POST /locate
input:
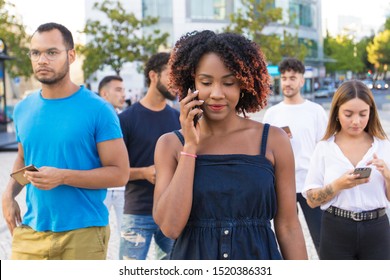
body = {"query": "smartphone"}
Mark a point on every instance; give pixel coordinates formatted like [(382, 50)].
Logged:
[(18, 175), (197, 116), (287, 130), (364, 172)]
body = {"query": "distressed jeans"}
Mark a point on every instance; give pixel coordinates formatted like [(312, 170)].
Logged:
[(137, 232)]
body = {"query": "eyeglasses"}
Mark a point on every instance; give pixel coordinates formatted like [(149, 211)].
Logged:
[(34, 55)]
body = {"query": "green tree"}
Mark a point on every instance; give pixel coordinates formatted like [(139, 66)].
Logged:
[(362, 50), (387, 24), (120, 40), (254, 18), (15, 37), (345, 52), (379, 51)]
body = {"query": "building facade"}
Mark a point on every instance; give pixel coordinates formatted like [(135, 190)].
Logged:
[(177, 17)]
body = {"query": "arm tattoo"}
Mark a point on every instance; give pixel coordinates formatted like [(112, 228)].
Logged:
[(321, 195)]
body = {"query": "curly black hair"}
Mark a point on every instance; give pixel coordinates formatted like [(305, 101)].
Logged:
[(157, 63), (291, 64), (240, 55)]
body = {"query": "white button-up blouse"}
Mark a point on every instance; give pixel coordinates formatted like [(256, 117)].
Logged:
[(328, 163)]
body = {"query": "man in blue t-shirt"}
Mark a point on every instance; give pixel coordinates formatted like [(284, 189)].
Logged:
[(142, 124), (74, 139)]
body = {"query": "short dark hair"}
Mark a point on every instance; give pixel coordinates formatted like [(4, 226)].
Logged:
[(66, 34), (240, 55), (108, 79), (157, 63), (291, 64)]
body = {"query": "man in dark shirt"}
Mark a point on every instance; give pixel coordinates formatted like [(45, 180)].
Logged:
[(142, 124)]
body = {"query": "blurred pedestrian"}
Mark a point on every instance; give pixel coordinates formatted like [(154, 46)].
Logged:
[(112, 89), (306, 123), (355, 224), (142, 124), (75, 140), (223, 177)]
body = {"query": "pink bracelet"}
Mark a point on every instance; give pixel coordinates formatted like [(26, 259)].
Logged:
[(188, 155)]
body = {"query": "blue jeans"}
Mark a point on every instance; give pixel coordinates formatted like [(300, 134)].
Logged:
[(116, 199), (136, 236)]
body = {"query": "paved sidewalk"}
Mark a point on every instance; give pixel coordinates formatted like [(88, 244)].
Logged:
[(6, 162)]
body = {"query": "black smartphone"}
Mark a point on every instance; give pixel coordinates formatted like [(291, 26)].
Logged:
[(18, 175), (197, 116), (364, 172)]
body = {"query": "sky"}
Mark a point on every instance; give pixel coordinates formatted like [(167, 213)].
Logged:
[(71, 13), (372, 13)]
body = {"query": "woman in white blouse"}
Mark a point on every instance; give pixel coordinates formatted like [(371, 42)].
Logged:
[(354, 224)]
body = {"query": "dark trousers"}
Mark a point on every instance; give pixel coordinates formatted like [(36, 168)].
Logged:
[(313, 217), (345, 239)]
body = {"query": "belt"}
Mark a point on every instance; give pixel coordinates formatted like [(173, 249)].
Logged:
[(357, 216)]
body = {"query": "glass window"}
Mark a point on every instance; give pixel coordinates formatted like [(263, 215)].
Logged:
[(157, 8), (312, 47), (301, 14), (210, 9)]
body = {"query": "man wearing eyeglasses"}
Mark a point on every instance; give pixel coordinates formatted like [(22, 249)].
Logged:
[(74, 139)]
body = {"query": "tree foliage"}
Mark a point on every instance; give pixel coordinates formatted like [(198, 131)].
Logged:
[(387, 24), (119, 40), (254, 18), (346, 53), (379, 51), (13, 33)]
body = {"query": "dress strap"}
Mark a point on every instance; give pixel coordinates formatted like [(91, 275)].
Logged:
[(180, 136), (264, 139)]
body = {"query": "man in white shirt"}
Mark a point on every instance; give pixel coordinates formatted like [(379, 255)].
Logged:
[(111, 88), (306, 122)]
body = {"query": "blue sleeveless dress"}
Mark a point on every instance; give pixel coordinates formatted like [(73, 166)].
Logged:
[(233, 202)]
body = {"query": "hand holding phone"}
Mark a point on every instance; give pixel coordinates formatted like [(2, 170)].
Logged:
[(287, 130), (18, 175), (364, 172)]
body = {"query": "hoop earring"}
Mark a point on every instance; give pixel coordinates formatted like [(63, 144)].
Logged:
[(337, 119)]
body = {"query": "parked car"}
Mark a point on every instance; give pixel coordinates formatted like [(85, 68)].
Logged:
[(381, 84), (369, 83), (324, 92)]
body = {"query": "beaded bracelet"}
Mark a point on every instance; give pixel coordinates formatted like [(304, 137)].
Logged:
[(188, 155)]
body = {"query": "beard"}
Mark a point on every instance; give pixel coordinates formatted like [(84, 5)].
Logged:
[(56, 77), (164, 91)]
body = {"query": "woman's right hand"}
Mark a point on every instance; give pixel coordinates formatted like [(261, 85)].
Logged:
[(189, 108), (349, 180)]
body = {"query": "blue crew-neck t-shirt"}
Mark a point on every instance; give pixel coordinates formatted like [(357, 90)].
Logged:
[(64, 133)]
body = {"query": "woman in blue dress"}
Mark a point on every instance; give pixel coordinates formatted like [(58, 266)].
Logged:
[(222, 178)]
